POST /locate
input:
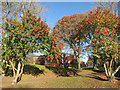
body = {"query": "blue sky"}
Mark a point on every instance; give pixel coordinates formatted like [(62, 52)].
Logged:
[(57, 10)]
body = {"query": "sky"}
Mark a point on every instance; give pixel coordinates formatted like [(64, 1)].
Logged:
[(57, 10)]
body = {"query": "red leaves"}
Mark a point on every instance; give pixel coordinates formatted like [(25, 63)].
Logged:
[(6, 23), (86, 22), (106, 32), (91, 12), (98, 17), (9, 34), (24, 39), (38, 28), (115, 31), (33, 28), (108, 11), (53, 47), (52, 42), (43, 29), (48, 28), (98, 8), (32, 21), (113, 34), (39, 18), (89, 21), (89, 43), (45, 25), (100, 33), (22, 21), (42, 22), (37, 35), (107, 37), (14, 21), (96, 31), (62, 44), (13, 24)]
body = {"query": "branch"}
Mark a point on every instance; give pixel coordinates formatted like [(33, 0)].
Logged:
[(105, 69), (116, 70), (22, 69)]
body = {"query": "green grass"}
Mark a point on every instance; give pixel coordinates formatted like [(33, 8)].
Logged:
[(66, 82), (38, 66), (105, 84), (58, 82)]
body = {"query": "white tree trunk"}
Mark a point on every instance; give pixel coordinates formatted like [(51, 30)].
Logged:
[(78, 60), (109, 72), (18, 73)]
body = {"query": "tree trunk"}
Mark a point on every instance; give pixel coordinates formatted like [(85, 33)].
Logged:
[(19, 72), (109, 73), (78, 60), (79, 67), (94, 62), (13, 68), (3, 67)]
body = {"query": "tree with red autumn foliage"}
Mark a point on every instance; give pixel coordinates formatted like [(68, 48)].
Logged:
[(102, 28), (53, 49), (66, 33)]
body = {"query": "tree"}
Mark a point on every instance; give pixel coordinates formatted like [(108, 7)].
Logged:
[(54, 49), (113, 6), (103, 26), (17, 9), (109, 5), (22, 37), (65, 31)]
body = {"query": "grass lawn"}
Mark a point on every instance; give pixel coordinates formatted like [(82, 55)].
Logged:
[(64, 82), (50, 79)]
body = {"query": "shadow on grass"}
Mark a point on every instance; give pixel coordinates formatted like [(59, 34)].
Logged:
[(95, 74), (98, 71), (98, 78), (33, 70), (91, 68), (87, 68), (94, 77), (28, 69), (65, 72)]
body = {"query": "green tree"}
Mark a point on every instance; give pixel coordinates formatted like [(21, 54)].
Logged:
[(22, 37), (17, 9)]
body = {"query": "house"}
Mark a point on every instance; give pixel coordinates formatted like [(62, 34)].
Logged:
[(67, 60), (41, 60), (70, 60)]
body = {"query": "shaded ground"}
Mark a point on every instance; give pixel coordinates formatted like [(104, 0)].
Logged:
[(49, 79)]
